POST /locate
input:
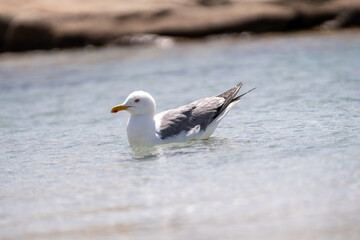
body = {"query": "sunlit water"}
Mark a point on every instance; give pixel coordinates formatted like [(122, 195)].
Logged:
[(283, 164)]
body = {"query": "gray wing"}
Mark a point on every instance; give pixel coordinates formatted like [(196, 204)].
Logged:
[(201, 112)]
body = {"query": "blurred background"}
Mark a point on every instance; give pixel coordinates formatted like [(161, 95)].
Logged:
[(283, 164), (47, 24)]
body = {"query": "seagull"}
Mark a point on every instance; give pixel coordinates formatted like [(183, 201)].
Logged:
[(196, 120)]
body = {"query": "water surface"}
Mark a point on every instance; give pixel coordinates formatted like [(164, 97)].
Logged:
[(283, 164)]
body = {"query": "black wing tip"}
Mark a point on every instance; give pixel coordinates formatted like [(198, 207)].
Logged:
[(238, 97)]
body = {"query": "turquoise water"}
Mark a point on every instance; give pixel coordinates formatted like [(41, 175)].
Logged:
[(283, 164)]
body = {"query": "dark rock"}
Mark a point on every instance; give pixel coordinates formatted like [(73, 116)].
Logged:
[(128, 16), (210, 3), (4, 25), (351, 18), (160, 13), (71, 40), (22, 36)]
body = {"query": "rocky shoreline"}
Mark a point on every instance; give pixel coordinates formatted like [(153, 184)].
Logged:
[(45, 24)]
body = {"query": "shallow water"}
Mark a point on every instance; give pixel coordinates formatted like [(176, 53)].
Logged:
[(283, 164)]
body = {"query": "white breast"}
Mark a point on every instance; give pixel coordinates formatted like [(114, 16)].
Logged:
[(141, 130)]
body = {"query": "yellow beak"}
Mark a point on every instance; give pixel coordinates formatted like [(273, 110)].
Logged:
[(119, 108)]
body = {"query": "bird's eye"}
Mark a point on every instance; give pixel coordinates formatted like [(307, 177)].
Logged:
[(137, 100)]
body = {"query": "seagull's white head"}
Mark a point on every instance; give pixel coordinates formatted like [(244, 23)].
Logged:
[(137, 103)]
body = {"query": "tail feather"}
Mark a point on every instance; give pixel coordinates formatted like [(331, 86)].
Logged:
[(233, 91), (229, 96)]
